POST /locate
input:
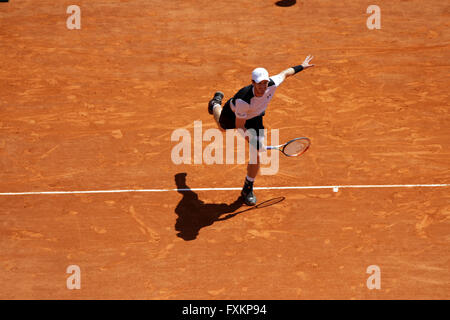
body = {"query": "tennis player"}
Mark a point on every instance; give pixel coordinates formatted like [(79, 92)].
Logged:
[(245, 110)]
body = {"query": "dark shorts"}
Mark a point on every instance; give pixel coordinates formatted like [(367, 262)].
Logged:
[(227, 120)]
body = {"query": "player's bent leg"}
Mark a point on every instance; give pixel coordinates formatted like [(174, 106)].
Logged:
[(217, 111), (215, 107), (216, 100)]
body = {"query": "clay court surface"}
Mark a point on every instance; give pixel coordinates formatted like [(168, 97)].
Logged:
[(94, 109)]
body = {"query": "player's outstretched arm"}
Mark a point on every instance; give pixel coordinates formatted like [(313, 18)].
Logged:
[(293, 70)]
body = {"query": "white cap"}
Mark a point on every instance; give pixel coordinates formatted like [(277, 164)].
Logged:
[(260, 74)]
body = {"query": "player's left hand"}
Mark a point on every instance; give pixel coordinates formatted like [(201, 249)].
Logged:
[(306, 64)]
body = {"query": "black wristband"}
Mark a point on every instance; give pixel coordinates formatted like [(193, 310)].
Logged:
[(297, 68)]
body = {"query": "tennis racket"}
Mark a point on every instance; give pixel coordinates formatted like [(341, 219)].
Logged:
[(294, 147)]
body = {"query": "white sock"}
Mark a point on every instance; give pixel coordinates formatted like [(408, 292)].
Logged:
[(250, 179)]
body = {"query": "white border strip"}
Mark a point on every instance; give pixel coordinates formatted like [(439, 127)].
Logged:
[(335, 188)]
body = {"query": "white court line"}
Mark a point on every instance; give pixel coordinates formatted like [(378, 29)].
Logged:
[(335, 187)]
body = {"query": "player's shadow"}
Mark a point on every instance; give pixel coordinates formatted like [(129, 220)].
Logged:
[(194, 214), (285, 3)]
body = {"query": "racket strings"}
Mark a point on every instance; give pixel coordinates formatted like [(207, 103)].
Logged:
[(296, 147)]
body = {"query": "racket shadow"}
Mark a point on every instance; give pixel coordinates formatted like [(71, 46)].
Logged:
[(285, 3), (263, 204)]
